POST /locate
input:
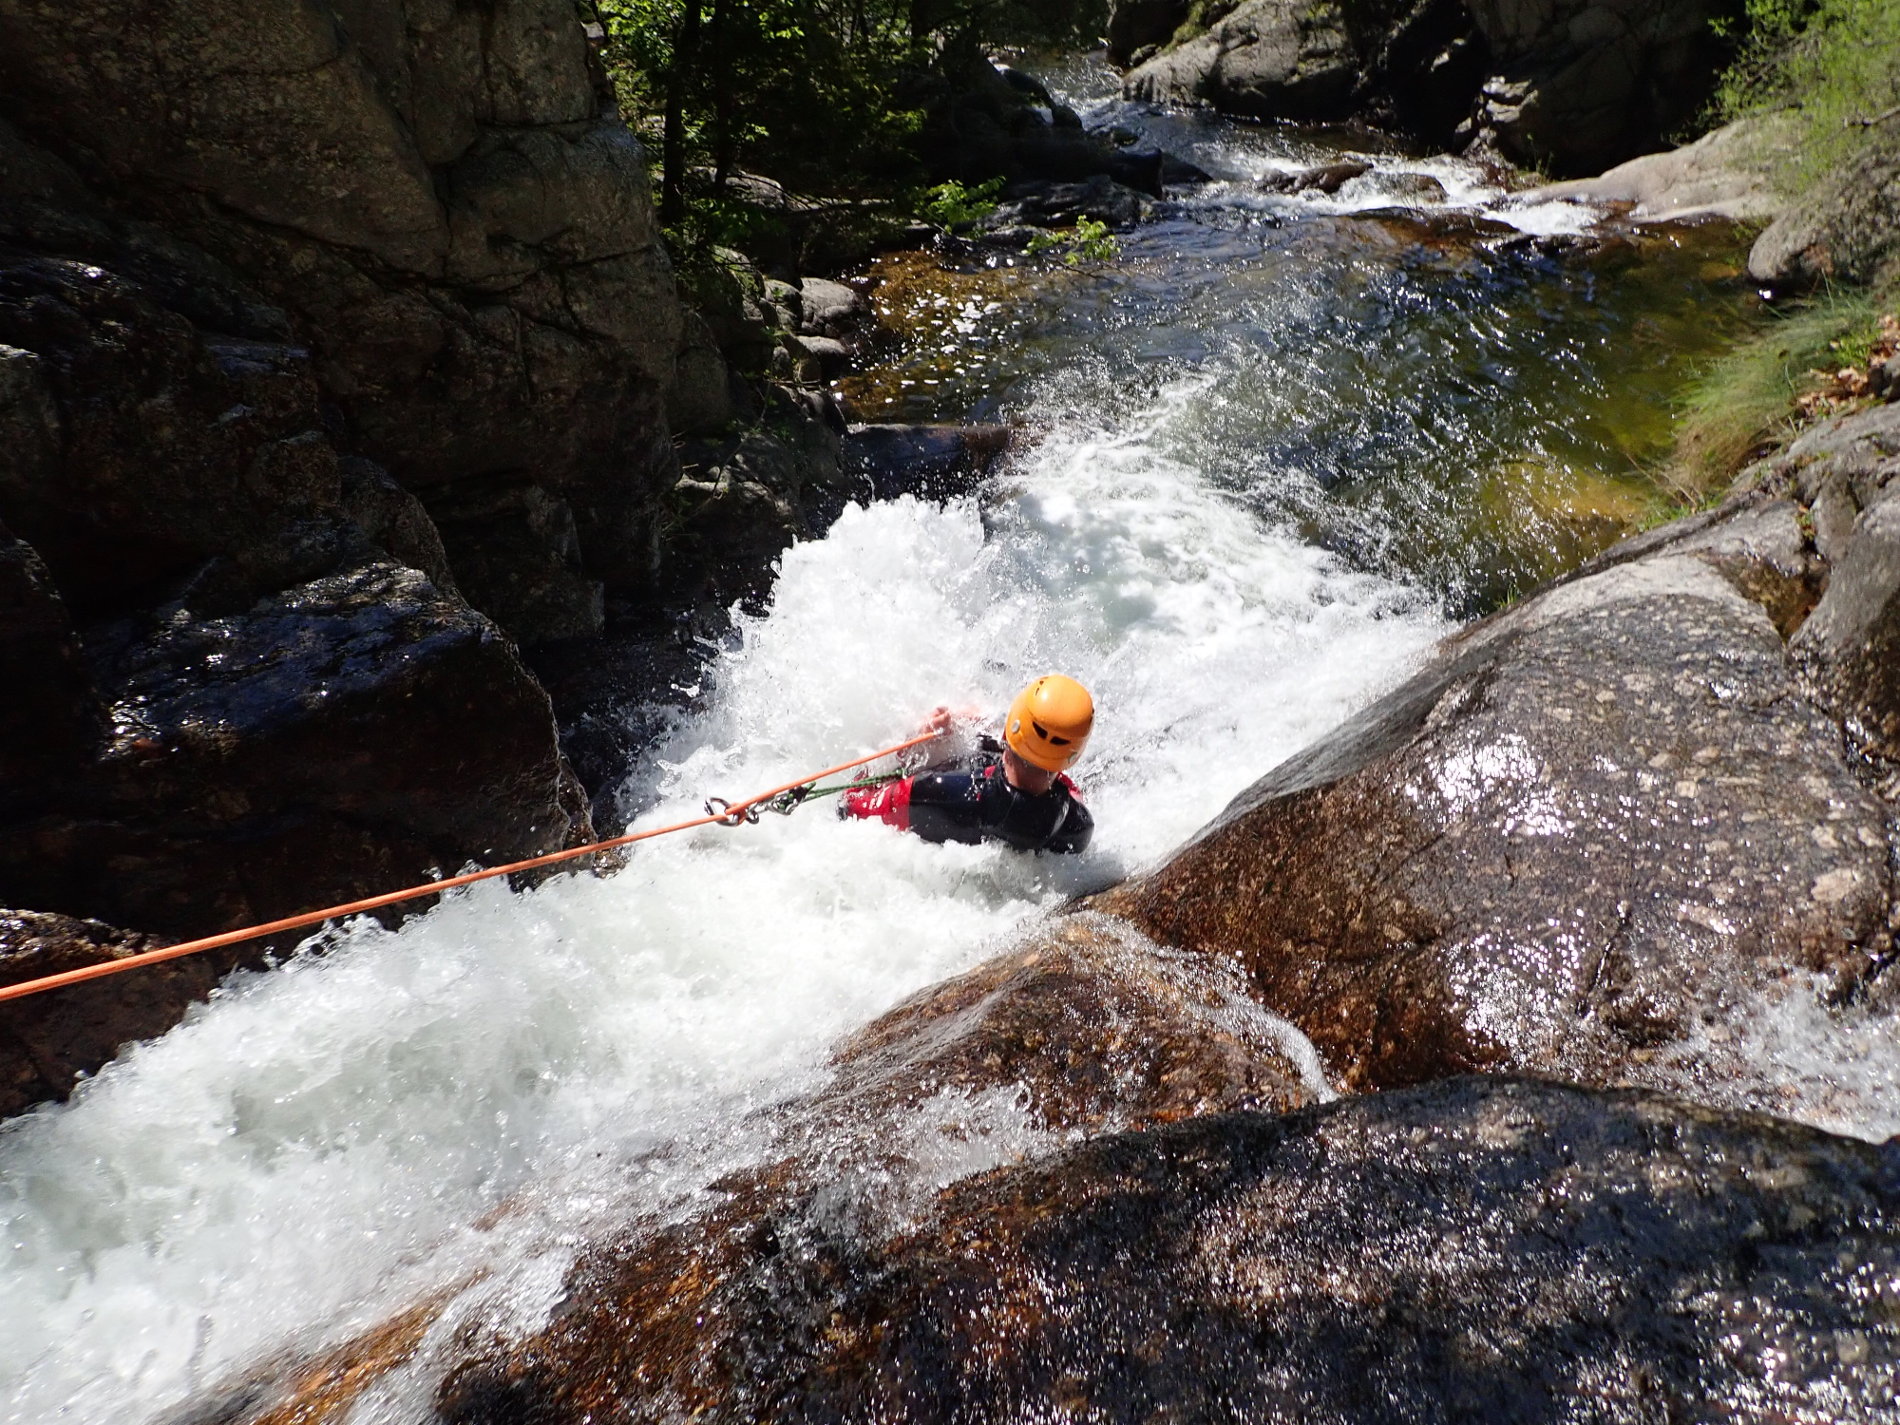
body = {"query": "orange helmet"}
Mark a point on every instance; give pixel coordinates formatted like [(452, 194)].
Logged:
[(1048, 724)]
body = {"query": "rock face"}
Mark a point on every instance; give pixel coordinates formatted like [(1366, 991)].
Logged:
[(1476, 1249), (1845, 473), (1597, 823), (1848, 230), (1574, 86), (446, 205), (1571, 86)]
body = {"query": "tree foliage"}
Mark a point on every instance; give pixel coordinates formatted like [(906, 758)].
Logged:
[(1833, 63), (817, 93)]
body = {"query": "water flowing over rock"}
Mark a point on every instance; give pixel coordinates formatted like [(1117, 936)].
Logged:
[(1587, 831), (1475, 1248), (1083, 1029)]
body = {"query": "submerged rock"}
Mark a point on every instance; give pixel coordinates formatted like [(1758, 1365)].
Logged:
[(1592, 829)]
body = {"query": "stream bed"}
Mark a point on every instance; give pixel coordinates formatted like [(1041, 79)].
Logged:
[(1271, 452)]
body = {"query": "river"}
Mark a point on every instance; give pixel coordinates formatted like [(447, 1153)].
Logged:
[(1274, 450)]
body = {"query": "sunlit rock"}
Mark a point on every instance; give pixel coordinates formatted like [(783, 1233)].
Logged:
[(1599, 825)]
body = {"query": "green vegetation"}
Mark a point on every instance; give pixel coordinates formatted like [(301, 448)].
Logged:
[(826, 96), (951, 205), (1834, 63), (1751, 398), (1087, 241)]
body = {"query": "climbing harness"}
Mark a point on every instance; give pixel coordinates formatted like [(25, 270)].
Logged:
[(740, 813)]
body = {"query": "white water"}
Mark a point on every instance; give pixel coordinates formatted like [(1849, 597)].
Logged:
[(322, 1142)]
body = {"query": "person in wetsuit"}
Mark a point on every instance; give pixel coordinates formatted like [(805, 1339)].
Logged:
[(1017, 791)]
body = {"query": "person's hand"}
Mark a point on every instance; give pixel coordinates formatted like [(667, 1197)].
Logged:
[(940, 724)]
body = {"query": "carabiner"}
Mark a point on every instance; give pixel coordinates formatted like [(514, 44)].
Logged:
[(720, 810)]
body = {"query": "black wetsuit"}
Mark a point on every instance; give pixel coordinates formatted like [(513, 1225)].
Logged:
[(970, 800)]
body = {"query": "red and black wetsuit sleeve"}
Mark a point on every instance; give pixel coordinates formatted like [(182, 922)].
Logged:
[(974, 802)]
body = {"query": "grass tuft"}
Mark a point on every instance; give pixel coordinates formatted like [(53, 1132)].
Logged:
[(1750, 399)]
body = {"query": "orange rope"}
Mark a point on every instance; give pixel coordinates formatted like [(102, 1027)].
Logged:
[(729, 817)]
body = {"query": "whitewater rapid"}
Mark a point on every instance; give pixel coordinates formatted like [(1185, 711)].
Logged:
[(334, 1138)]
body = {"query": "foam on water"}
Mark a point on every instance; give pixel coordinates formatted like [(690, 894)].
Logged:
[(334, 1138)]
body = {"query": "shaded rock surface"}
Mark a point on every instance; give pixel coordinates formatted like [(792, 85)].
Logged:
[(443, 202), (1574, 86), (43, 1054), (1085, 1028), (344, 736), (1476, 1248), (1587, 833)]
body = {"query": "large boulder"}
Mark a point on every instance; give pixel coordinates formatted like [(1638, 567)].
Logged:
[(1407, 64), (1727, 173), (1580, 843), (1847, 229), (1847, 472), (341, 737), (442, 199), (1479, 1249)]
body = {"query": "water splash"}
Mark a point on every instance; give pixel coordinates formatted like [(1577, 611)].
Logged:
[(324, 1143)]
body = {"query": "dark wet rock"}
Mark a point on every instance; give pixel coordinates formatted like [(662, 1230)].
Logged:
[(345, 736), (1062, 205), (1594, 825), (1329, 178), (444, 203), (1846, 229), (935, 461), (1135, 25), (46, 1045), (49, 717), (1481, 1248)]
